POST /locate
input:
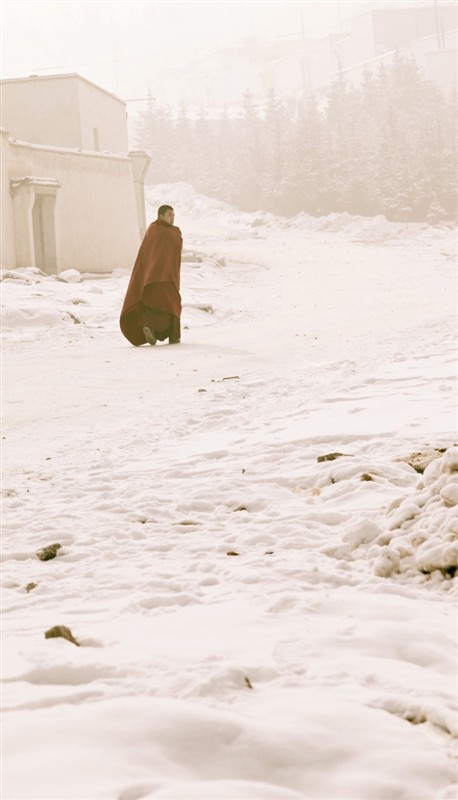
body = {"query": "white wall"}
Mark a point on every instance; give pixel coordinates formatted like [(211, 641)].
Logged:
[(441, 67), (42, 111), (104, 113), (96, 218), (64, 111)]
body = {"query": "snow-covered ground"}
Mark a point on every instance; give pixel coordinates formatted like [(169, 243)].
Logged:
[(254, 620)]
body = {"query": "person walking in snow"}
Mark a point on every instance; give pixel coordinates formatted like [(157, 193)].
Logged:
[(152, 305)]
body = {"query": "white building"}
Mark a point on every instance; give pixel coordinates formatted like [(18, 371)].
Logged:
[(427, 30), (72, 194), (428, 33)]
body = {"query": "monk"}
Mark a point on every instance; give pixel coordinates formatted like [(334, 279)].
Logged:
[(152, 306)]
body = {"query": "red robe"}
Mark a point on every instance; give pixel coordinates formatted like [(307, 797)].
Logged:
[(155, 279)]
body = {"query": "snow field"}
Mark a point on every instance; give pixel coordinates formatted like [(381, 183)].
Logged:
[(253, 622)]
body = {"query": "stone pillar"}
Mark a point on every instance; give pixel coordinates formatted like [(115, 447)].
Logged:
[(39, 239), (140, 163), (8, 243), (23, 201)]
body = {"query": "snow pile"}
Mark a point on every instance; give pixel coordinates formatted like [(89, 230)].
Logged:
[(33, 300), (24, 275), (69, 276), (184, 198), (417, 536), (422, 529), (29, 317), (373, 228), (376, 229)]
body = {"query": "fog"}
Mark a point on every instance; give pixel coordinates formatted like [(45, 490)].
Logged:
[(228, 565), (315, 128), (124, 46)]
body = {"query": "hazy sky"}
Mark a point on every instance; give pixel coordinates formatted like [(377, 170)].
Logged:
[(119, 44)]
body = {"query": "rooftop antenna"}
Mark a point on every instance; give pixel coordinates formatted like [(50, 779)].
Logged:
[(438, 33), (340, 16), (116, 63)]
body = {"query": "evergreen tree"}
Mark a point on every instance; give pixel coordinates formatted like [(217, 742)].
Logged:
[(204, 153), (272, 134), (306, 167), (386, 146), (155, 134), (224, 155), (412, 153), (337, 145), (249, 161), (184, 157)]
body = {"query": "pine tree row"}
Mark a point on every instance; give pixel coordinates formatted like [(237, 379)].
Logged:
[(387, 146)]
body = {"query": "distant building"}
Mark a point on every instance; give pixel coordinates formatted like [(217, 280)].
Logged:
[(72, 194), (427, 32), (301, 65), (438, 65)]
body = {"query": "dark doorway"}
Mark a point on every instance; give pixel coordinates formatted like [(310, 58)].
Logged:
[(44, 235)]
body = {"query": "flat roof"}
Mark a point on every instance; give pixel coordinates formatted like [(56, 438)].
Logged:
[(64, 75)]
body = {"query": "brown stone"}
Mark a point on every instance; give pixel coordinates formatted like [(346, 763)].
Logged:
[(63, 632)]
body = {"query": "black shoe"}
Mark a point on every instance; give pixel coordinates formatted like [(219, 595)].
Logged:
[(149, 335)]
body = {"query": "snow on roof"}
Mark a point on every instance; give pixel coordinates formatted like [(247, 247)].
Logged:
[(73, 150)]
